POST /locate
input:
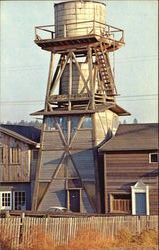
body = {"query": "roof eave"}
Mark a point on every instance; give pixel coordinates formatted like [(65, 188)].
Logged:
[(17, 136), (127, 149)]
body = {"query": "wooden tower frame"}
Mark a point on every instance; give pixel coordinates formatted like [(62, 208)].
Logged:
[(68, 157)]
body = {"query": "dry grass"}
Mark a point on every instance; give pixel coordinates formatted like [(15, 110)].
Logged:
[(37, 239), (85, 239), (5, 239)]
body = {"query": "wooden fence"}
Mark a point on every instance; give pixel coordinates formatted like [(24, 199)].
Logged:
[(62, 229)]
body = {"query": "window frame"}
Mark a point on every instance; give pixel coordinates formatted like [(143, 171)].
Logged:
[(2, 160), (11, 156), (1, 201), (18, 191), (111, 198), (150, 160)]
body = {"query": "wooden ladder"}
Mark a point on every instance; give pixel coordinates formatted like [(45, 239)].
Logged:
[(105, 70)]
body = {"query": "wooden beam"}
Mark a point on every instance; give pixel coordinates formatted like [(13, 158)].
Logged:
[(36, 185), (59, 75), (53, 176), (61, 133), (70, 82), (56, 72), (49, 80), (78, 126), (81, 73), (90, 68)]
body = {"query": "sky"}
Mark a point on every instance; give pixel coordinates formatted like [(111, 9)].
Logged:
[(24, 66)]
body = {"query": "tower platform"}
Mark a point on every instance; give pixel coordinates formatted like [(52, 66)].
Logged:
[(111, 37)]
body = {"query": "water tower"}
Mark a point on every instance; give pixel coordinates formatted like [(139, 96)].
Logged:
[(80, 108)]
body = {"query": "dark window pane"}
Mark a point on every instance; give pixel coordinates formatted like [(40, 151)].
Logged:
[(74, 123), (154, 157), (19, 200), (62, 121), (50, 123)]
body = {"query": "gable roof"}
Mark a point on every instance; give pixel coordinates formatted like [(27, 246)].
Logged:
[(133, 137), (28, 134)]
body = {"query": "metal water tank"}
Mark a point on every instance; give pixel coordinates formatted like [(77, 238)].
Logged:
[(77, 18)]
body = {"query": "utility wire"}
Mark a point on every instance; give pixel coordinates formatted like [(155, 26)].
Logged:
[(128, 96), (36, 102), (38, 67)]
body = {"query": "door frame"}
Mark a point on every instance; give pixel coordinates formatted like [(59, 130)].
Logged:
[(68, 196), (140, 187)]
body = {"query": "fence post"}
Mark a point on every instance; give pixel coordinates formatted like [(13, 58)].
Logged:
[(21, 228), (7, 214), (138, 224)]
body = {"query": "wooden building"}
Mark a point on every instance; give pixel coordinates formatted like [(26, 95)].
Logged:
[(131, 170), (18, 161), (80, 108)]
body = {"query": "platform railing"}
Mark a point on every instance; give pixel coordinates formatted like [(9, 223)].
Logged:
[(90, 27)]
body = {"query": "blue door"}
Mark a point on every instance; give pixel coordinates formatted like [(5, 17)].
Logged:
[(140, 199)]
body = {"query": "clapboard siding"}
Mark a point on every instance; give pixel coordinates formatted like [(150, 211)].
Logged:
[(124, 169), (49, 163), (86, 206), (84, 161), (52, 140), (54, 196), (83, 139)]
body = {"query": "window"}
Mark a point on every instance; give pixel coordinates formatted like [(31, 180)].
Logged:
[(14, 155), (63, 122), (50, 124), (153, 157), (87, 122), (74, 123), (5, 200), (1, 155), (19, 200), (120, 203)]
